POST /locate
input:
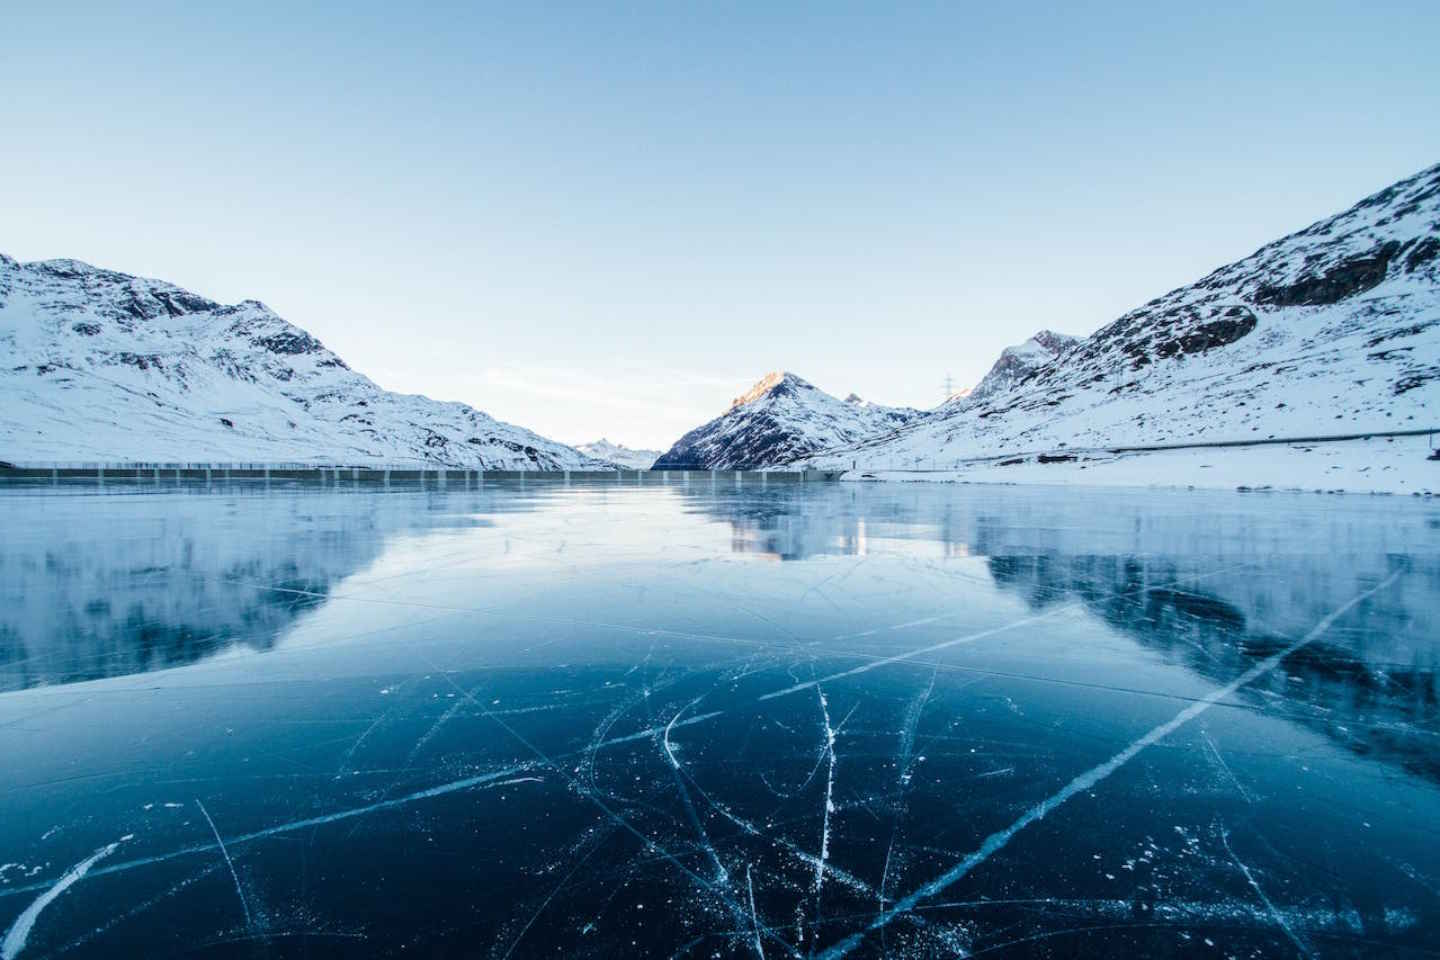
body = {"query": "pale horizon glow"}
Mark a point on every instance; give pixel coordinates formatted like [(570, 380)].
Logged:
[(595, 222)]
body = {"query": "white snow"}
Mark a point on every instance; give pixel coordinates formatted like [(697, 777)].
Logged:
[(1390, 465), (778, 421), (1334, 330), (103, 366), (619, 454), (1014, 366)]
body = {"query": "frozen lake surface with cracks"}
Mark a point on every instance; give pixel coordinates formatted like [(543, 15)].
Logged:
[(630, 718)]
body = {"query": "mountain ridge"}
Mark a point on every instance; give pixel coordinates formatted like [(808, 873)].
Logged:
[(107, 366), (779, 420), (619, 454), (1332, 329)]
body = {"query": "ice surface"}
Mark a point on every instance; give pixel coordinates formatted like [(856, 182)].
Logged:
[(671, 719)]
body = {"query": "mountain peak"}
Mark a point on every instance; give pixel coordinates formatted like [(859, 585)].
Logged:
[(619, 454), (1054, 342), (1046, 342), (756, 432), (1016, 363), (67, 267), (777, 383)]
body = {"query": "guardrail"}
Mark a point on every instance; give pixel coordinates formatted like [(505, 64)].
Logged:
[(381, 477), (933, 465)]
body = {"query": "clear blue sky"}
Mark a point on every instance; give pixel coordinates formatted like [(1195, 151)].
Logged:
[(609, 220)]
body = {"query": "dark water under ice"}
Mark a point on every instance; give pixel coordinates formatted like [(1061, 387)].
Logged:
[(640, 720)]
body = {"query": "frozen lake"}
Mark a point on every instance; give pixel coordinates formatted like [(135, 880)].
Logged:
[(620, 719)]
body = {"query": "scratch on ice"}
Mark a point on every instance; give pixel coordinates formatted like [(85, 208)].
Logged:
[(19, 932)]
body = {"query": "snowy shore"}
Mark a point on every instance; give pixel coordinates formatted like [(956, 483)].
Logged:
[(1388, 465)]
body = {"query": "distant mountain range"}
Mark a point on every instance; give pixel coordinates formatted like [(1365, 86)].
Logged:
[(1332, 330), (783, 418), (780, 420), (104, 366), (619, 454)]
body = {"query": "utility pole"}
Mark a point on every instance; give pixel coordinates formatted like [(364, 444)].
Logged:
[(949, 388)]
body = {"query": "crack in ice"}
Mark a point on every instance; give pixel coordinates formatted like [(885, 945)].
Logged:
[(721, 874), (224, 852), (1090, 778), (1275, 914)]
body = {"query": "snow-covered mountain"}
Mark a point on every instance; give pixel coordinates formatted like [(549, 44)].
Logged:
[(103, 366), (1017, 363), (619, 454), (778, 421), (1332, 330)]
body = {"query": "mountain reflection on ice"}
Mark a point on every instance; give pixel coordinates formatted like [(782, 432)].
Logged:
[(666, 719)]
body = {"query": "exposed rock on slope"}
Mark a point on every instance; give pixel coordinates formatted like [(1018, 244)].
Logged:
[(779, 420), (1331, 330), (103, 366)]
